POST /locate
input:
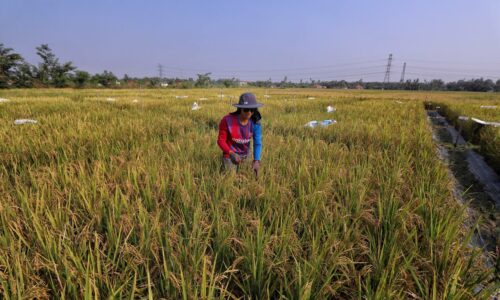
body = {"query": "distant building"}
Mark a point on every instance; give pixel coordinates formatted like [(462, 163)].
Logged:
[(359, 87), (242, 83), (164, 84), (319, 86)]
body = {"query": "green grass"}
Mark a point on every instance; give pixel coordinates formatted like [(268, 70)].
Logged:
[(125, 200)]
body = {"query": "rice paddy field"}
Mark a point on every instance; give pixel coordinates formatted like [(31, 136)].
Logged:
[(108, 197)]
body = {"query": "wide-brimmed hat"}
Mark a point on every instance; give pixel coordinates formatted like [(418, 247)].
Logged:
[(248, 100)]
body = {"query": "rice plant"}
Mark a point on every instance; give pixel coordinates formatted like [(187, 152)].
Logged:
[(125, 199)]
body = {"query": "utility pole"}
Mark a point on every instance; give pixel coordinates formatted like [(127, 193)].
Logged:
[(403, 73), (388, 70)]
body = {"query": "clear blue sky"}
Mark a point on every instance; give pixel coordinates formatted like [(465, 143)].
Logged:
[(447, 39)]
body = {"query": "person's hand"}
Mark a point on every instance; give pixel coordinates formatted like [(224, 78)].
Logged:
[(256, 167), (235, 158)]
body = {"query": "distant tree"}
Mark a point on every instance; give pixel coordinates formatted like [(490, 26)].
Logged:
[(154, 82), (61, 74), (50, 72), (49, 61), (436, 85), (203, 80), (9, 62), (411, 85), (478, 85), (81, 79), (106, 79), (489, 85), (285, 83), (453, 86), (129, 82), (228, 82), (185, 84), (24, 76), (497, 86)]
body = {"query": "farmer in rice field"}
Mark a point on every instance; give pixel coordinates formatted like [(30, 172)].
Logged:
[(236, 131)]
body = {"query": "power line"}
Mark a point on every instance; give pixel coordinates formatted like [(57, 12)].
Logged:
[(331, 71), (274, 70), (451, 71), (332, 77), (336, 71), (440, 74), (451, 62)]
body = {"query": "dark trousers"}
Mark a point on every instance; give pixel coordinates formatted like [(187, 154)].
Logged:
[(228, 165)]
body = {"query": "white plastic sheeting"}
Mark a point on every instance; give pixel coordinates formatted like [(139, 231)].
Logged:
[(478, 121), (25, 121), (203, 99), (110, 99), (482, 106), (330, 109), (195, 106), (311, 98), (3, 100), (494, 124), (181, 97), (135, 101), (324, 123)]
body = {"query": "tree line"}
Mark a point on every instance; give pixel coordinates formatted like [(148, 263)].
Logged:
[(15, 72)]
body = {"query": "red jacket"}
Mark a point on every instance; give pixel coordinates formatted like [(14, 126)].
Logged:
[(235, 137)]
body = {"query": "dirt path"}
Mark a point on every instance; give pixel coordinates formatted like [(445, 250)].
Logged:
[(475, 183)]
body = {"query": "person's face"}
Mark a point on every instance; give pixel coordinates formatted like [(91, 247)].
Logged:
[(247, 113)]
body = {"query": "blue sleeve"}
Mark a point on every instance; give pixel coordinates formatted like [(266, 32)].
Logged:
[(257, 141)]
